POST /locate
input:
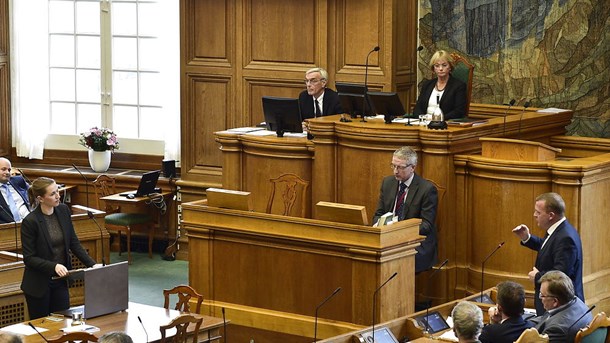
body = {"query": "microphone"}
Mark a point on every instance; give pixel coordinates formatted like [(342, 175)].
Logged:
[(43, 337), (315, 330), (483, 266), (375, 301), (92, 217), (86, 182), (366, 75), (143, 328), (510, 104), (420, 48), (525, 106), (10, 215), (579, 318), (224, 324), (430, 277), (23, 176)]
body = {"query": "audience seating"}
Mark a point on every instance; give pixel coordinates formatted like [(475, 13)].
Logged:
[(596, 331), (531, 335), (181, 324), (185, 293)]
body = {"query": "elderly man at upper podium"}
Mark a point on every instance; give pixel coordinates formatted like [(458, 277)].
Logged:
[(406, 195), (317, 100)]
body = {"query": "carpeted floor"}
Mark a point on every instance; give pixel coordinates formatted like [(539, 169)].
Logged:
[(149, 277)]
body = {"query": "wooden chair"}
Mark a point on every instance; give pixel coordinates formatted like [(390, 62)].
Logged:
[(181, 324), (116, 221), (75, 336), (596, 331), (531, 335), (463, 71), (185, 293), (289, 188)]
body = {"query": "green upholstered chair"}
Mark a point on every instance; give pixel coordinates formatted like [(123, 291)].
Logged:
[(116, 221), (463, 71), (596, 331)]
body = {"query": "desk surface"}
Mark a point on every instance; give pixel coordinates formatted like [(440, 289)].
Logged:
[(123, 199), (127, 321)]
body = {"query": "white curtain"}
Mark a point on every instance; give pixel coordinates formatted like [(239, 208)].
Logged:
[(29, 76)]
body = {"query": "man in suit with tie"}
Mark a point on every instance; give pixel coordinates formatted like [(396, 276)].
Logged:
[(507, 323), (317, 100), (560, 249), (14, 199), (408, 195), (565, 313)]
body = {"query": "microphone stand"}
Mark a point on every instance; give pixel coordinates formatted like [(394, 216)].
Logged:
[(483, 266), (366, 74), (428, 305), (525, 106), (375, 302), (510, 104), (86, 182), (143, 328), (92, 217), (224, 324), (38, 332), (315, 330), (579, 318)]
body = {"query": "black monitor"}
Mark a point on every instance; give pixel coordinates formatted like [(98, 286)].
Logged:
[(387, 104), (352, 98), (282, 115)]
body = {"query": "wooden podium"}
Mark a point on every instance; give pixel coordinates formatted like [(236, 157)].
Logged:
[(271, 271), (517, 150)]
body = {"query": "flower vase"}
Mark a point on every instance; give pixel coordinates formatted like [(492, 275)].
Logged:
[(99, 160)]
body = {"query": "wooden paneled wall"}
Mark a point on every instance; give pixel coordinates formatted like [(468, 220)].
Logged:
[(233, 52)]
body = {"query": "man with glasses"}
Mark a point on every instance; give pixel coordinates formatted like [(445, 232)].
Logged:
[(317, 100), (407, 195), (564, 311), (560, 249), (14, 190)]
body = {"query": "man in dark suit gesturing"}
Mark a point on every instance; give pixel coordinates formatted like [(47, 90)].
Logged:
[(14, 194), (560, 249), (408, 195), (318, 100)]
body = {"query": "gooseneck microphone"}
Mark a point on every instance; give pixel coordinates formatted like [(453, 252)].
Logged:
[(38, 332), (86, 182), (143, 328), (510, 104), (10, 215), (224, 324), (375, 301), (525, 106), (579, 318), (92, 217), (428, 305), (23, 176), (366, 75), (315, 329), (483, 266)]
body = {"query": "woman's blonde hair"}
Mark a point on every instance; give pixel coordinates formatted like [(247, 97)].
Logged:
[(39, 188), (441, 55)]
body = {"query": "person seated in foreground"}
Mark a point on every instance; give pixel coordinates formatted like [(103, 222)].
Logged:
[(564, 310), (115, 337), (9, 337), (467, 322), (507, 324)]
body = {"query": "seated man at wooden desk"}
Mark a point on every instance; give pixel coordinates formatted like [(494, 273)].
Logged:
[(507, 322), (407, 195)]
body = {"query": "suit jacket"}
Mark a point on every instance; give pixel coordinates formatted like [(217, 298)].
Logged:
[(557, 322), (332, 104), (421, 202), (453, 101), (22, 188), (563, 252), (37, 251), (506, 332)]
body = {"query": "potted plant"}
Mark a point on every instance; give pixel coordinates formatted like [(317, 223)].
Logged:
[(101, 143)]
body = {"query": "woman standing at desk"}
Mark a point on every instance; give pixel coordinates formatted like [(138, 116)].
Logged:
[(445, 91), (47, 235)]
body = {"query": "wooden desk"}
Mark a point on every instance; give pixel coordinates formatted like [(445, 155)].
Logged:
[(127, 321)]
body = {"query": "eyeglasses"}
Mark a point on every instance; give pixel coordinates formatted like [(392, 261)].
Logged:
[(393, 166), (311, 81)]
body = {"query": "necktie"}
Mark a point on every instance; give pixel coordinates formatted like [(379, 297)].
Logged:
[(318, 111), (11, 203), (400, 200)]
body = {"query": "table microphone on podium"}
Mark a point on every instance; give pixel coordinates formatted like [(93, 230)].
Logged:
[(92, 217), (483, 266), (428, 305), (315, 330), (224, 324), (366, 75), (86, 182), (10, 215), (38, 332), (510, 104), (375, 302), (143, 328), (525, 106), (23, 176)]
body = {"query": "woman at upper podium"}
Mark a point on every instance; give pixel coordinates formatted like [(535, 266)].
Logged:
[(47, 237), (444, 91)]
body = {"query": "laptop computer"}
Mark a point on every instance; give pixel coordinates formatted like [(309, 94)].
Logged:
[(106, 291), (147, 186)]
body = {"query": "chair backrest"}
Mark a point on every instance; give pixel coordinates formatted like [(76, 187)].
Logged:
[(531, 335), (596, 331), (74, 336), (104, 186), (181, 324), (288, 188), (463, 71), (185, 293)]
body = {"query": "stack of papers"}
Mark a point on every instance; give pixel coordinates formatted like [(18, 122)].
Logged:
[(552, 110)]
